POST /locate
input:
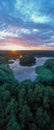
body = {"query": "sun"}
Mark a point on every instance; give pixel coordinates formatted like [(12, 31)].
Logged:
[(13, 50)]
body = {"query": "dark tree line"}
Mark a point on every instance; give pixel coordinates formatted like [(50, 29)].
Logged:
[(27, 60)]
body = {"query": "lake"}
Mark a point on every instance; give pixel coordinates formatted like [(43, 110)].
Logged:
[(22, 73)]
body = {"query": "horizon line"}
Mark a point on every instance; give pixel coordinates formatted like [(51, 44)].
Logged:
[(26, 50)]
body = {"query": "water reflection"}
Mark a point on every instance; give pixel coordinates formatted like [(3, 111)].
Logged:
[(22, 73)]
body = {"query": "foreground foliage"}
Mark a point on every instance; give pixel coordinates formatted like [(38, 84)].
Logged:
[(29, 105)]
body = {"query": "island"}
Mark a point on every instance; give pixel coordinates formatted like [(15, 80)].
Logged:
[(27, 60)]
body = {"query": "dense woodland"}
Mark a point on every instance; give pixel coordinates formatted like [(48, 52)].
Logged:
[(27, 105), (27, 60), (5, 56)]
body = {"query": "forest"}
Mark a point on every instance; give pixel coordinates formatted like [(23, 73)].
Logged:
[(5, 56), (27, 105), (27, 60)]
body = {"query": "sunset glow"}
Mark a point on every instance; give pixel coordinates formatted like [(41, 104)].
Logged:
[(13, 47), (26, 26)]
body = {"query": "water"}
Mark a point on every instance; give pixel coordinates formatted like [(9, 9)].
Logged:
[(22, 73)]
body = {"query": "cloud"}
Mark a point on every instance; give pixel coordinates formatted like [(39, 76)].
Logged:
[(28, 22)]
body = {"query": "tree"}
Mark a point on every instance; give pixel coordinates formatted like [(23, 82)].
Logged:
[(42, 119), (27, 60), (26, 116), (45, 76), (13, 124)]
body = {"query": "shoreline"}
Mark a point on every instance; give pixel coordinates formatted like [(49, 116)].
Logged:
[(22, 73)]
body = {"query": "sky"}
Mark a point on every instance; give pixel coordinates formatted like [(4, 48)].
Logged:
[(26, 24)]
